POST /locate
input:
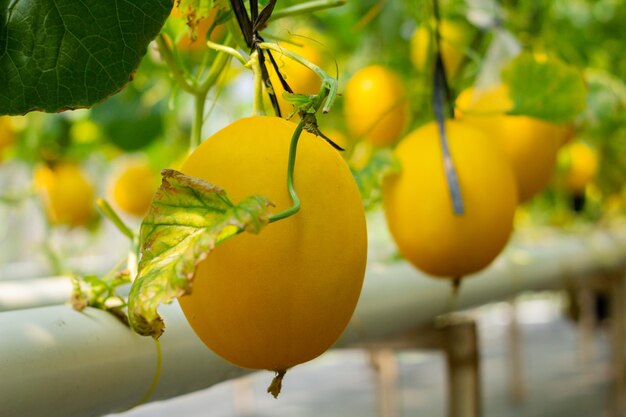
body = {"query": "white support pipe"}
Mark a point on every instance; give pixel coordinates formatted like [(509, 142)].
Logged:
[(98, 265), (38, 292), (396, 297), (57, 362)]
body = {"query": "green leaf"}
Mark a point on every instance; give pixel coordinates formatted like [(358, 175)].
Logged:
[(546, 88), (370, 178), (71, 54), (187, 218), (128, 121), (301, 102), (101, 293)]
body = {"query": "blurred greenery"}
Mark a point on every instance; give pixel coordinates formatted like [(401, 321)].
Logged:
[(563, 61), (579, 39), (545, 88), (128, 121)]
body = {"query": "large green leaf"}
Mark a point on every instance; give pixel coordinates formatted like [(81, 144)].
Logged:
[(545, 88), (59, 55), (187, 218)]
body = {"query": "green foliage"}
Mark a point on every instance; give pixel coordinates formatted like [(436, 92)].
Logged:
[(101, 293), (604, 125), (300, 102), (128, 121), (545, 88), (58, 56), (196, 9), (370, 177), (56, 137), (47, 138), (187, 218), (606, 102), (588, 33)]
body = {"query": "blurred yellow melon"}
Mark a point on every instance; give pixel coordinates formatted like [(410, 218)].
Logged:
[(455, 37), (375, 105), (530, 144), (582, 166), (66, 193), (134, 186)]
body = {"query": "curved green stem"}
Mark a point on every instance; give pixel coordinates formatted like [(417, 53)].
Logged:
[(155, 378), (133, 254), (217, 67), (168, 58), (293, 147), (227, 50), (306, 8), (327, 81), (108, 212)]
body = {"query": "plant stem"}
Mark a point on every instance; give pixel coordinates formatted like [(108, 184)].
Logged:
[(155, 379), (227, 50), (258, 108), (200, 95), (217, 67), (198, 119), (306, 8), (326, 79), (168, 57), (293, 147), (108, 212)]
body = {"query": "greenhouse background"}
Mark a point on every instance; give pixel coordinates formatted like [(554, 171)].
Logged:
[(462, 160)]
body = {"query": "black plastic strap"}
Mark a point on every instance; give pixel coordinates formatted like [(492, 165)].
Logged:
[(268, 84), (441, 97), (266, 13), (245, 24), (254, 10), (250, 26)]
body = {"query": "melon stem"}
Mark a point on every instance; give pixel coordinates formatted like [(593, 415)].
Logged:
[(293, 147), (277, 383)]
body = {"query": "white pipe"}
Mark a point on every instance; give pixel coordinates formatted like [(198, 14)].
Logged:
[(397, 297), (81, 265), (57, 362), (38, 292)]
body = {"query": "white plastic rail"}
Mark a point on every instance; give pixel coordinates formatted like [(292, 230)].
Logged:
[(58, 362)]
